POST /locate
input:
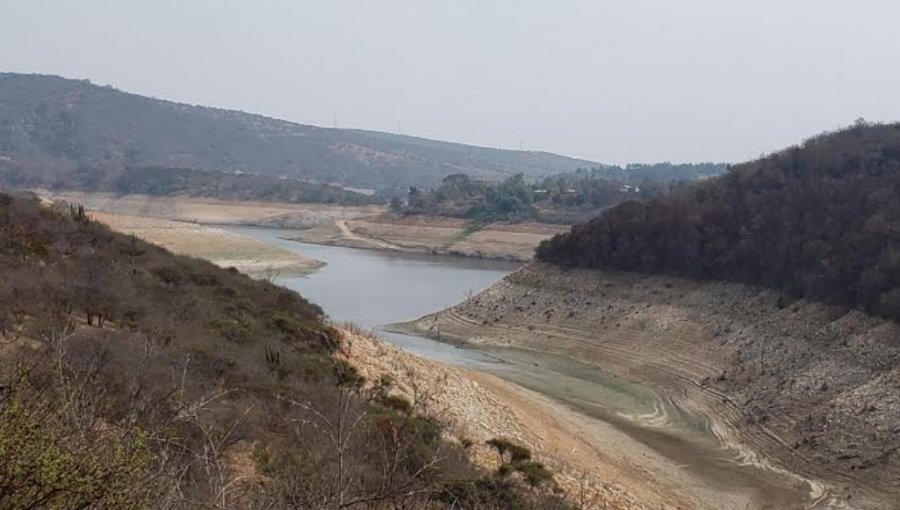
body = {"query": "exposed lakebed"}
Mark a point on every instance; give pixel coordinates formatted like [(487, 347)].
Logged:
[(375, 289)]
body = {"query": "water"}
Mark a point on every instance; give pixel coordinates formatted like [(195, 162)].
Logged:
[(374, 289)]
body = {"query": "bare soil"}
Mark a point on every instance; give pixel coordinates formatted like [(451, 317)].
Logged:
[(476, 407), (216, 212), (434, 234), (221, 247), (801, 387)]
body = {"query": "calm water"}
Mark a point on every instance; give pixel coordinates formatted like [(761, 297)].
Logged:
[(375, 288)]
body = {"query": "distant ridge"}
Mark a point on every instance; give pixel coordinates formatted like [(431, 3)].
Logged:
[(100, 129)]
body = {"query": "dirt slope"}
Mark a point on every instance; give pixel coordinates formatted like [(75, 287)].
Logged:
[(434, 234), (812, 388), (476, 407)]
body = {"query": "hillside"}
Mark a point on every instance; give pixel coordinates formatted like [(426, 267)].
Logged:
[(66, 176), (131, 378), (819, 221), (766, 299), (808, 390), (52, 119)]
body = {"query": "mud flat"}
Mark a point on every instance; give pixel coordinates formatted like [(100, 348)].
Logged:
[(223, 248), (433, 234), (802, 391)]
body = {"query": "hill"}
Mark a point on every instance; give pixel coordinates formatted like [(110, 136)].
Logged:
[(131, 378), (818, 221), (99, 129)]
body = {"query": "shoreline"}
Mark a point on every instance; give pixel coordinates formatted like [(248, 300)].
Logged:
[(366, 227), (433, 235), (659, 438), (702, 344), (217, 245), (476, 406)]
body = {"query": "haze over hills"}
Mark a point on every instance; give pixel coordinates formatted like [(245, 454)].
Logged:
[(101, 129)]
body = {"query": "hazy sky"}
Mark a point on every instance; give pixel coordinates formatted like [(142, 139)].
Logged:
[(610, 80)]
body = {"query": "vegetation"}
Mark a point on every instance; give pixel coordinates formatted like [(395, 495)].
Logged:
[(637, 173), (56, 122), (460, 196), (557, 199), (175, 181), (819, 221), (132, 378)]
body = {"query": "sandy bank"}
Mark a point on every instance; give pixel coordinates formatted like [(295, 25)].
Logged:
[(223, 248), (802, 387), (215, 212), (430, 234), (477, 407)]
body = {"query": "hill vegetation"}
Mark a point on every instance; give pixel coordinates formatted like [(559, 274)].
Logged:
[(17, 175), (819, 221), (131, 378), (641, 173), (558, 199), (101, 130)]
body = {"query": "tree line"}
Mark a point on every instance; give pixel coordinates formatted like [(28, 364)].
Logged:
[(165, 181), (561, 198), (819, 221)]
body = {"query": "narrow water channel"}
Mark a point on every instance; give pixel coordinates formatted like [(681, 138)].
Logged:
[(373, 289)]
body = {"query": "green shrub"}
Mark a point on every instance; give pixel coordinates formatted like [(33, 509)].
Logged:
[(47, 463)]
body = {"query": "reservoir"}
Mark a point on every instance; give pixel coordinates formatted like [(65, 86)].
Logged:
[(373, 289)]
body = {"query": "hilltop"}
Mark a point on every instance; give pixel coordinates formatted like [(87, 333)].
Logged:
[(100, 129)]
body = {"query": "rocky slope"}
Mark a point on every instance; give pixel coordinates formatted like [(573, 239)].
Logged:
[(812, 388), (476, 407)]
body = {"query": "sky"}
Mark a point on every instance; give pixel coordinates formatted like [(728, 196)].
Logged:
[(613, 81)]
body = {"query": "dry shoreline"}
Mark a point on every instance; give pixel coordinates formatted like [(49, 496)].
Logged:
[(209, 211), (433, 234), (223, 248), (783, 385), (476, 406), (369, 227)]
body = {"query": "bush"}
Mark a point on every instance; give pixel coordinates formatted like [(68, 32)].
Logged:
[(48, 462)]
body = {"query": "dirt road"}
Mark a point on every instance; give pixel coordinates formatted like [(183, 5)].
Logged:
[(431, 234)]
